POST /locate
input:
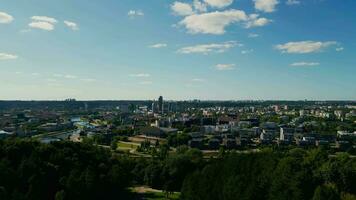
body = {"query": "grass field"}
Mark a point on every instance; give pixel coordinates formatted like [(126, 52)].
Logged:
[(128, 145), (147, 193)]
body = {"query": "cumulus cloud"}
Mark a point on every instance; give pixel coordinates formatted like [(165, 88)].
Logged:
[(182, 9), (304, 47), (42, 25), (44, 19), (141, 75), (6, 56), (219, 3), (197, 6), (158, 45), (216, 22), (135, 13), (292, 2), (200, 6), (209, 48), (213, 22), (71, 25), (5, 18), (266, 5), (255, 21), (43, 22), (223, 67), (305, 64)]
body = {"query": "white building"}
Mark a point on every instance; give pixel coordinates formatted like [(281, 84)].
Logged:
[(286, 134)]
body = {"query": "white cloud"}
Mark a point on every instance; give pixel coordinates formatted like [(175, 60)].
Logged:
[(35, 74), (219, 3), (200, 6), (209, 48), (266, 5), (44, 19), (304, 47), (223, 67), (181, 9), (307, 64), (158, 45), (43, 22), (72, 25), (141, 75), (5, 18), (339, 49), (6, 56), (213, 22), (253, 35), (254, 21), (42, 25), (135, 13), (292, 2), (216, 22), (246, 51)]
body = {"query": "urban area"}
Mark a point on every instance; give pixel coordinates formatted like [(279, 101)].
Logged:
[(137, 127)]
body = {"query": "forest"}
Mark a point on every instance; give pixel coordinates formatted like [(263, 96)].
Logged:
[(64, 170)]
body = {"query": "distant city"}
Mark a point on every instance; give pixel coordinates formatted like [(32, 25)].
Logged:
[(206, 125)]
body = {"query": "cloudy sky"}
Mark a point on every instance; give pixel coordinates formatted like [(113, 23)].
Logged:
[(186, 49)]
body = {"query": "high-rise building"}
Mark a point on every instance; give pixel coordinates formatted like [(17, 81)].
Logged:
[(160, 104), (154, 107)]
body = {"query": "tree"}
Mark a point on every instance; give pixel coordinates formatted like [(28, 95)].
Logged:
[(326, 192)]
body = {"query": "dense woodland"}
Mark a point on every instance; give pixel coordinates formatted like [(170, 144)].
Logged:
[(63, 170)]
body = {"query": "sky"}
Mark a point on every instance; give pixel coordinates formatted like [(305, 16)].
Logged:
[(183, 50)]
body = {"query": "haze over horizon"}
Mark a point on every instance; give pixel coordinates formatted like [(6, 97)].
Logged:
[(183, 50)]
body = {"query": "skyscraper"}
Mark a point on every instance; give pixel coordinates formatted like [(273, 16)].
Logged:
[(160, 104), (154, 107)]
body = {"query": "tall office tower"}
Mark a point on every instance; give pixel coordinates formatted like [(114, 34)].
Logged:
[(154, 107), (160, 104)]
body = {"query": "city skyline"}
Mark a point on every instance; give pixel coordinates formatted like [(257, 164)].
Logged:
[(188, 49)]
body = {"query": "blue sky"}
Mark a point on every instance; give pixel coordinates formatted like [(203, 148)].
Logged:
[(187, 49)]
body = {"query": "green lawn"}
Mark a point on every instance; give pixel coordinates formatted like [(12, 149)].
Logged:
[(147, 193), (125, 145)]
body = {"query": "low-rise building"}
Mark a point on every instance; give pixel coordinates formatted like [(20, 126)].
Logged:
[(197, 143), (287, 134)]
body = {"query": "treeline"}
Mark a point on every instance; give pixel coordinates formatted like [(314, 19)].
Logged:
[(31, 170), (296, 174), (64, 170)]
